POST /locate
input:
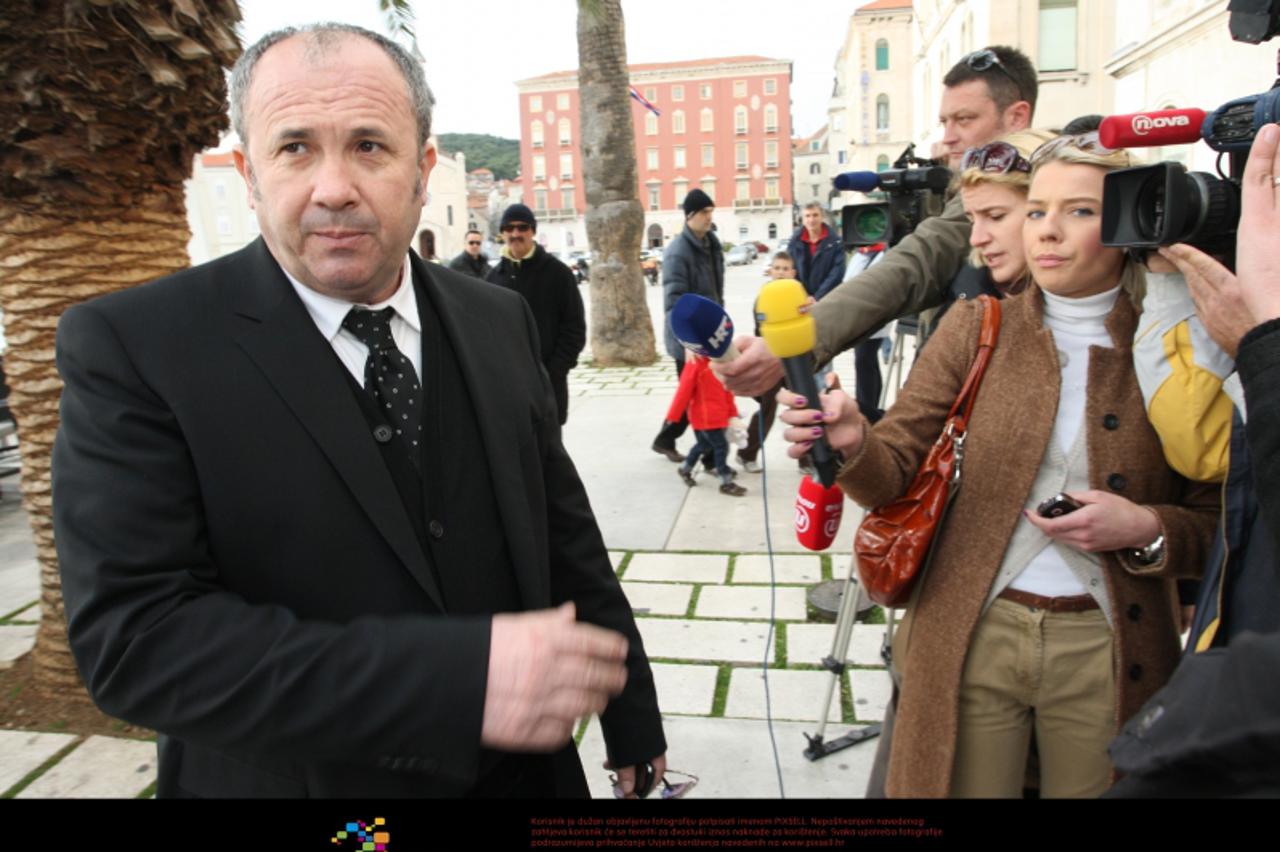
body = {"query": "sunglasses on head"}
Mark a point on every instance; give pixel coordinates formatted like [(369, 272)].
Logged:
[(518, 227), (985, 60), (996, 158), (1086, 142)]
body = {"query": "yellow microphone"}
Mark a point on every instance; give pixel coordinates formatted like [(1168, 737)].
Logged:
[(790, 336)]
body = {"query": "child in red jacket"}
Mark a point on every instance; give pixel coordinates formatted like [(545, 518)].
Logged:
[(709, 407)]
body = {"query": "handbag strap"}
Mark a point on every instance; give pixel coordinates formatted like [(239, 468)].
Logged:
[(987, 336)]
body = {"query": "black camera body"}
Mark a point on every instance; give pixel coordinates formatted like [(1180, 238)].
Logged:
[(911, 196)]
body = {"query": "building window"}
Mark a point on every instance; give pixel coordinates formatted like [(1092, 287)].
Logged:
[(770, 119), (840, 157), (708, 186), (568, 239), (815, 168), (882, 113), (681, 188), (771, 188), (740, 120), (707, 122), (535, 134), (540, 168), (815, 145), (678, 157), (566, 132), (882, 55), (650, 93), (816, 188), (677, 92), (654, 192), (650, 124), (704, 91), (677, 121), (223, 225), (540, 199), (743, 232), (651, 159), (771, 153), (535, 103), (739, 88), (770, 86), (562, 100), (566, 166), (566, 198), (708, 156), (448, 213), (1057, 35), (882, 163), (744, 189), (740, 154)]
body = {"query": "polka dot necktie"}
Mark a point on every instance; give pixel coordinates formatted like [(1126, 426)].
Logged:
[(388, 374)]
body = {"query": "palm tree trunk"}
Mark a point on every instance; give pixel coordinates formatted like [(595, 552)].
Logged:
[(48, 263), (621, 330)]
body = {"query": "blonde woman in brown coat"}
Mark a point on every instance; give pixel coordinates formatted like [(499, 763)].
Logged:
[(1024, 626)]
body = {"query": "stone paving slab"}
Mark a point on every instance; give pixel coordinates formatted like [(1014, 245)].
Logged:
[(685, 688), (659, 598), (793, 695), (24, 751), (750, 602), (809, 643), (871, 690), (733, 759), (101, 768), (615, 558), (15, 640), (719, 641), (673, 567), (788, 568)]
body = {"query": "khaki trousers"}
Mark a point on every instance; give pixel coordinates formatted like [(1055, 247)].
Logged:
[(1030, 669)]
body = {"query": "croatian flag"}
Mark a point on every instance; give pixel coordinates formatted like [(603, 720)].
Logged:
[(653, 109)]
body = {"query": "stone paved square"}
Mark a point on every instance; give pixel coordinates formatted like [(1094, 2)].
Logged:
[(684, 688), (750, 602), (678, 567), (658, 598), (24, 751), (872, 689), (795, 695), (810, 643), (101, 768), (15, 640), (615, 559), (721, 641), (788, 568)]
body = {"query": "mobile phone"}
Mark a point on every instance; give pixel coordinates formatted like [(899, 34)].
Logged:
[(1057, 506)]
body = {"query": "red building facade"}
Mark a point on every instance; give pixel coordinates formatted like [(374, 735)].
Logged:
[(724, 126)]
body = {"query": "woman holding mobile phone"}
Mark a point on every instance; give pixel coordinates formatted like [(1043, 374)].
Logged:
[(1059, 628)]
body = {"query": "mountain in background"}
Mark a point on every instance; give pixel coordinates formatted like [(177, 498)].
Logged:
[(500, 156)]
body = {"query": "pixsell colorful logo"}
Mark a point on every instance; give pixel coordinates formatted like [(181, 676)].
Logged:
[(363, 836)]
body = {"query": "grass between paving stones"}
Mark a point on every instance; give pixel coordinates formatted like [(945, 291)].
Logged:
[(847, 715), (733, 563), (12, 617), (825, 560), (626, 561), (581, 732), (693, 600), (721, 696), (779, 645), (148, 792), (31, 776)]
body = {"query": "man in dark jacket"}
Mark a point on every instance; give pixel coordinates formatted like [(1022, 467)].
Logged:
[(692, 263), (552, 293), (817, 252), (471, 260)]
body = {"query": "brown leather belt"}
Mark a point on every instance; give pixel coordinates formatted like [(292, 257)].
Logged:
[(1074, 603)]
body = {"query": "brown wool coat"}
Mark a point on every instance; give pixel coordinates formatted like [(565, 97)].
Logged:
[(1011, 425)]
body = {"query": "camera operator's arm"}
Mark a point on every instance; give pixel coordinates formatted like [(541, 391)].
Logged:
[(912, 276)]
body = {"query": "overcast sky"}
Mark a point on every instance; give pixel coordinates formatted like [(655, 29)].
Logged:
[(475, 51)]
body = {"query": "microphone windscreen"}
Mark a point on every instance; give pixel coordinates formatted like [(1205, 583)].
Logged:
[(818, 512), (703, 327), (1147, 129), (857, 181), (785, 330)]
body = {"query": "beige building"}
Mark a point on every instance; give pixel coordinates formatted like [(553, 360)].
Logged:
[(811, 169)]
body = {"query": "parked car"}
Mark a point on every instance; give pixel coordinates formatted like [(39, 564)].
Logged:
[(651, 264), (740, 255)]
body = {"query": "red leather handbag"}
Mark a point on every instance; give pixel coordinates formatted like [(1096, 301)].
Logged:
[(893, 542)]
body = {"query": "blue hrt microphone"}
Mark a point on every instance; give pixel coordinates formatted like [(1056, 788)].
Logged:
[(857, 181), (703, 328)]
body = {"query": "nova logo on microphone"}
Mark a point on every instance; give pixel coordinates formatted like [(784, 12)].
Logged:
[(1144, 124)]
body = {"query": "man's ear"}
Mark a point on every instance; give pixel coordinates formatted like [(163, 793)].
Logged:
[(1017, 116), (245, 168), (425, 165)]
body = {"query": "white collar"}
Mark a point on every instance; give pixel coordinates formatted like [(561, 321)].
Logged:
[(328, 312)]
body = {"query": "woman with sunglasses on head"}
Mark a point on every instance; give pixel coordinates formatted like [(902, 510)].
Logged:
[(1024, 625)]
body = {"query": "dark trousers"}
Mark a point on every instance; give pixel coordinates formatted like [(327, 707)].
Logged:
[(866, 371), (670, 431), (713, 448), (761, 423)]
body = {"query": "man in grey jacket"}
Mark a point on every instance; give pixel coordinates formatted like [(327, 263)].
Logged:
[(692, 263), (985, 95)]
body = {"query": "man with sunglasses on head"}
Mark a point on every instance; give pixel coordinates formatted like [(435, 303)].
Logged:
[(987, 94), (471, 260), (551, 290)]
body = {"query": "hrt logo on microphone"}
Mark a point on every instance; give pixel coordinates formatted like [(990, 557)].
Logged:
[(722, 333), (1144, 124)]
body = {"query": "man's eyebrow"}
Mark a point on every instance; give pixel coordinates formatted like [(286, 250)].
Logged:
[(370, 131), (291, 134)]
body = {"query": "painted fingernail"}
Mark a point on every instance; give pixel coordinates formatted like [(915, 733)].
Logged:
[(801, 401), (818, 415), (817, 433)]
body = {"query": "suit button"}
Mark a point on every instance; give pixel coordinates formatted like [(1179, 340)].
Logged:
[(382, 434), (1110, 422), (436, 529), (1116, 482), (1135, 672), (1135, 612)]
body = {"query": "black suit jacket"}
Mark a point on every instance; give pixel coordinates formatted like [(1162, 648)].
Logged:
[(239, 570)]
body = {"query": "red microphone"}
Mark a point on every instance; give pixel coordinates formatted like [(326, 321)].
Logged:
[(1148, 129), (818, 511)]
